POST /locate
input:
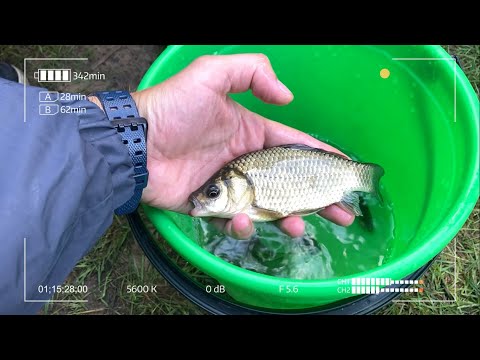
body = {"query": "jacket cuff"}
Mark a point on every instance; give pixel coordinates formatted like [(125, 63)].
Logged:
[(96, 129)]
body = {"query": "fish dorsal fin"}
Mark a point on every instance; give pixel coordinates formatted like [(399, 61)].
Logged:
[(309, 148)]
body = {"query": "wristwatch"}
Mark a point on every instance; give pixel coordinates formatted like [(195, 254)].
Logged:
[(121, 110)]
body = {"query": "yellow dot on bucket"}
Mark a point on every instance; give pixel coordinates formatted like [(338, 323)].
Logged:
[(384, 73)]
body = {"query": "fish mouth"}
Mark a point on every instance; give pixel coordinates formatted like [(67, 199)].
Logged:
[(198, 208)]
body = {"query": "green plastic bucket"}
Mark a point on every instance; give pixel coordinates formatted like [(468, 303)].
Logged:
[(419, 120)]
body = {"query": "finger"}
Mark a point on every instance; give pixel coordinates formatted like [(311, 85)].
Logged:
[(240, 227), (293, 226), (337, 215), (279, 134), (241, 72)]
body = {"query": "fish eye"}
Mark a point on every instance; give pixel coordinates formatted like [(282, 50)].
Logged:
[(212, 191)]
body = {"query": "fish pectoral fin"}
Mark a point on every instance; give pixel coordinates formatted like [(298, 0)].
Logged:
[(265, 214), (351, 203)]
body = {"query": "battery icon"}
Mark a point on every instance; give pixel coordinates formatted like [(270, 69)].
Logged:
[(53, 75)]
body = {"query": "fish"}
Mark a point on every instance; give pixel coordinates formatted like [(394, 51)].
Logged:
[(286, 180)]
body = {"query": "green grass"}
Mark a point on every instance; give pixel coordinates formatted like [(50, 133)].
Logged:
[(114, 268), (458, 291), (469, 56), (15, 54), (117, 262)]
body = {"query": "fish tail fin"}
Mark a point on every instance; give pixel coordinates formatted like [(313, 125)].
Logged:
[(376, 172)]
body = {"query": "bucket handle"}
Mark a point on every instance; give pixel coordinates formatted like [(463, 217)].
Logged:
[(457, 60)]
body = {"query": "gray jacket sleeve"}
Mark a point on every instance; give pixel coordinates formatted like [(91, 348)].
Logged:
[(61, 180)]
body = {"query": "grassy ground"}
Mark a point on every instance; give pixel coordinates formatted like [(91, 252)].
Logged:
[(117, 263)]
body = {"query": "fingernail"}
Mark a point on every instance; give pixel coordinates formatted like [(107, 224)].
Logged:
[(283, 87)]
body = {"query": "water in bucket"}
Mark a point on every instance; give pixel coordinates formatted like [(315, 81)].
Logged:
[(326, 250)]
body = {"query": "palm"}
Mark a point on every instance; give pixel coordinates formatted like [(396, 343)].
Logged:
[(195, 128), (206, 138)]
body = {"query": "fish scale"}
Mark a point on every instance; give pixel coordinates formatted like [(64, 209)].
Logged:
[(290, 180), (285, 180)]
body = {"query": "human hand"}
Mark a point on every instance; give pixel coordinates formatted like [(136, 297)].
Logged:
[(195, 128)]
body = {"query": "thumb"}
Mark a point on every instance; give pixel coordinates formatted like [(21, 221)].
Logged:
[(238, 73)]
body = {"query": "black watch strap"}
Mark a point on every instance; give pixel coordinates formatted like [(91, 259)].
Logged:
[(122, 111)]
